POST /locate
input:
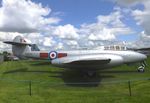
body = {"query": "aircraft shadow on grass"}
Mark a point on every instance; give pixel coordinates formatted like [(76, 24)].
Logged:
[(78, 78), (41, 63), (70, 77), (73, 77), (23, 70)]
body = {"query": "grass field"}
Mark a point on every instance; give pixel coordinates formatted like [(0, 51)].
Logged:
[(56, 85)]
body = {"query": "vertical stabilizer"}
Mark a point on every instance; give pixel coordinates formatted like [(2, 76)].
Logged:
[(19, 46)]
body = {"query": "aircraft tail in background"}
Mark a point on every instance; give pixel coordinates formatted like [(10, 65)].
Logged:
[(19, 46)]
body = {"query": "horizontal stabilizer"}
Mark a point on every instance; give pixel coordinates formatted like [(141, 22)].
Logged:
[(15, 43), (18, 40)]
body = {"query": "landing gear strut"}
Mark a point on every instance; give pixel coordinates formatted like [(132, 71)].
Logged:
[(142, 67), (90, 74)]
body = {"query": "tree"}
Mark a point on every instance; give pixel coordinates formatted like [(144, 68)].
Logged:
[(6, 54)]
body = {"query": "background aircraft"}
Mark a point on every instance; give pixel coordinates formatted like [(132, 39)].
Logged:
[(88, 61)]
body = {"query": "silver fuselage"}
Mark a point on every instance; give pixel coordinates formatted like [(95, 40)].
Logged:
[(116, 58)]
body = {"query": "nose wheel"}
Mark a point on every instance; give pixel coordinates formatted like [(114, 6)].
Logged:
[(141, 69)]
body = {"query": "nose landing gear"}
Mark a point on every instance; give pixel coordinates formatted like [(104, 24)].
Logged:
[(142, 67)]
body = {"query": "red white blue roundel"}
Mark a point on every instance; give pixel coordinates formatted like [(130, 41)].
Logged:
[(53, 55)]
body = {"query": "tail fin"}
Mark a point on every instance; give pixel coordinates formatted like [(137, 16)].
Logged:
[(19, 46)]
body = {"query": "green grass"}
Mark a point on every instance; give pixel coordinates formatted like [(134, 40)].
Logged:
[(56, 85)]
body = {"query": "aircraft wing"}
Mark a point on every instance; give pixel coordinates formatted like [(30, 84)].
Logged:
[(83, 60), (16, 43)]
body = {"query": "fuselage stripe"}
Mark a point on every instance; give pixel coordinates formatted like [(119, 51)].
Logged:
[(60, 55), (43, 55)]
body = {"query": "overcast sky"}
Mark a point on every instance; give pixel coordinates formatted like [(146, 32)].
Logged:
[(72, 24)]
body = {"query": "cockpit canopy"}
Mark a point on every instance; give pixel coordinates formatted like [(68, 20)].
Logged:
[(115, 47)]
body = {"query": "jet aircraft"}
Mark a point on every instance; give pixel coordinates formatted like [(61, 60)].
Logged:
[(89, 61)]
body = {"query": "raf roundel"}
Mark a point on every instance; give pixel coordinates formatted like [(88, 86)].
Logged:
[(53, 55)]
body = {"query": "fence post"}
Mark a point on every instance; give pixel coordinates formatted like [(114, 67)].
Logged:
[(129, 85), (30, 89)]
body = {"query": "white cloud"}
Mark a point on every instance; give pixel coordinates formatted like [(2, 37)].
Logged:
[(105, 34), (35, 37), (48, 41), (113, 19), (107, 27), (59, 46), (8, 35), (66, 32), (144, 41), (71, 43), (24, 16), (142, 17), (129, 2), (43, 42)]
